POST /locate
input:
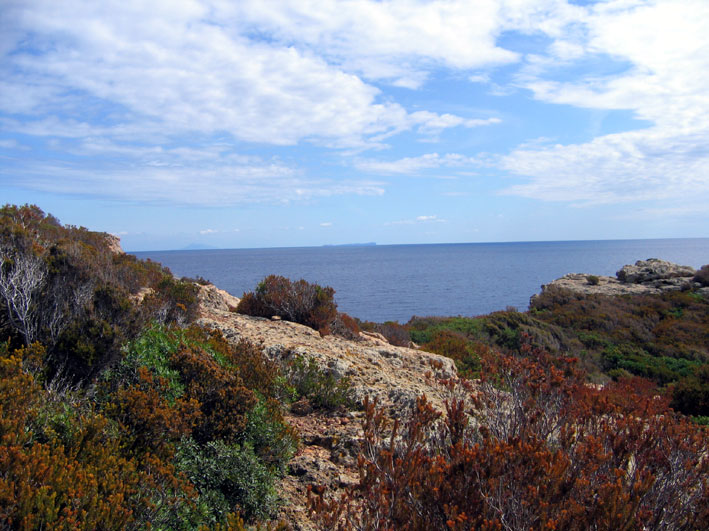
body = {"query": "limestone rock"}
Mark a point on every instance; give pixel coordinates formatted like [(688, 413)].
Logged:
[(211, 298), (114, 244), (651, 276), (653, 269)]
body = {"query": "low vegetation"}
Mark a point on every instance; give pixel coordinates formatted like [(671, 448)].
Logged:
[(545, 451), (118, 412), (114, 413), (300, 302)]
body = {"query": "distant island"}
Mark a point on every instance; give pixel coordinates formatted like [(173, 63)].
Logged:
[(199, 247), (367, 244)]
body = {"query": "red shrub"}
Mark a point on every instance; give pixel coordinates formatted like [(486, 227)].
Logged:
[(546, 452)]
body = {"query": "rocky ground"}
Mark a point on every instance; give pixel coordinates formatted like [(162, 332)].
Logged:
[(649, 276), (395, 376)]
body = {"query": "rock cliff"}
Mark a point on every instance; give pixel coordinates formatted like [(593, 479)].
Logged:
[(649, 276), (395, 376)]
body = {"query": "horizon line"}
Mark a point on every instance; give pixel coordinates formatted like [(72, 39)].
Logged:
[(374, 244)]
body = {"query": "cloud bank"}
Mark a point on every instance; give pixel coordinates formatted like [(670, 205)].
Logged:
[(182, 101)]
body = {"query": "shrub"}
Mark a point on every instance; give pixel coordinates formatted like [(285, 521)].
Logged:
[(691, 395), (395, 333), (172, 301), (299, 302), (320, 387), (345, 326), (454, 345), (702, 276), (274, 441), (544, 452), (230, 478), (592, 280)]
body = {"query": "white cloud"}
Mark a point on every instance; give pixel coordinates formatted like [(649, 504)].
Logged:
[(154, 86), (216, 184), (193, 68), (661, 49), (414, 165), (208, 231), (417, 220), (398, 40), (326, 224), (11, 143)]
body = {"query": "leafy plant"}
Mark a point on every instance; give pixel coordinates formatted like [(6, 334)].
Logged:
[(230, 478), (320, 387)]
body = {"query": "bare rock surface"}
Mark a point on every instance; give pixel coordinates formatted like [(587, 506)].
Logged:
[(395, 376), (651, 276), (114, 244), (211, 298), (653, 269)]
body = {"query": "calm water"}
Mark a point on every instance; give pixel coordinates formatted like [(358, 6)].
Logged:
[(395, 282)]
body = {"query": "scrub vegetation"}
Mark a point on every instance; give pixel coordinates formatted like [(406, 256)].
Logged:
[(117, 411)]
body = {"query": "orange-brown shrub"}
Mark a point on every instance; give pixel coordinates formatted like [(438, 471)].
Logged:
[(345, 326), (80, 482), (546, 452), (152, 422), (223, 400)]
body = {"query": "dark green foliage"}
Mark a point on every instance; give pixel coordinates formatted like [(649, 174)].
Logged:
[(422, 329), (92, 340), (267, 433), (702, 276), (592, 280), (68, 288), (177, 385), (662, 337), (229, 478), (171, 428), (455, 345), (691, 394), (172, 301)]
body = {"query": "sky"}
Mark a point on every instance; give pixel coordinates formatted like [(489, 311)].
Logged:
[(270, 123)]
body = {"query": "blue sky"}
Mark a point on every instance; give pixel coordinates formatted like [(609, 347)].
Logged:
[(300, 122)]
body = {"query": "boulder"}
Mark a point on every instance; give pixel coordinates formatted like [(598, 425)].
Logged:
[(651, 276), (653, 269)]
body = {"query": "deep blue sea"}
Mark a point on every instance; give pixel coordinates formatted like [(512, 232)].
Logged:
[(396, 282)]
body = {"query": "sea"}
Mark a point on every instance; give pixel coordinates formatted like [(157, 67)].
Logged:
[(396, 282)]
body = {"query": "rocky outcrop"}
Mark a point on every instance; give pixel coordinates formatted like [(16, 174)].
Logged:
[(212, 299), (651, 276), (394, 376), (652, 270), (114, 244)]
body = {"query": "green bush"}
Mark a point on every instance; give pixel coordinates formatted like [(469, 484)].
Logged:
[(454, 345), (691, 395), (230, 478), (321, 388), (592, 280)]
